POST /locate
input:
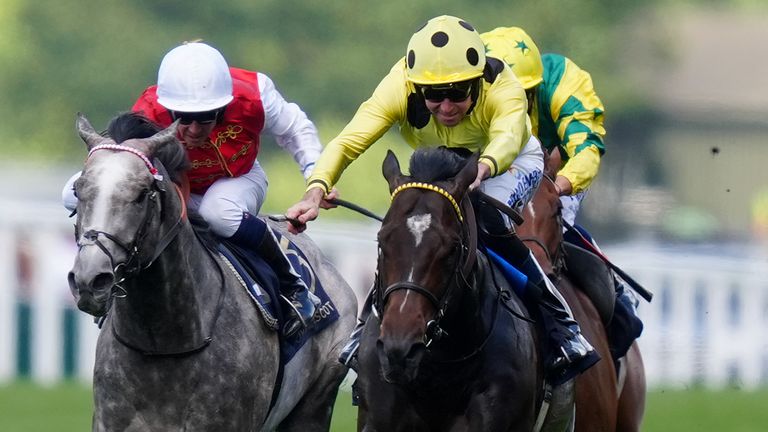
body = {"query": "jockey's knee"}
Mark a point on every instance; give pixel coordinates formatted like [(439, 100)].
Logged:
[(222, 216)]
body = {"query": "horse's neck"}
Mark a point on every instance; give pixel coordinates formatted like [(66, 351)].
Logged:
[(467, 322), (171, 303)]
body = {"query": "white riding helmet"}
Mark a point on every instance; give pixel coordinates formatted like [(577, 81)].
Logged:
[(194, 77)]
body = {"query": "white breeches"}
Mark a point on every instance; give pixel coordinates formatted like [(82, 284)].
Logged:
[(223, 204), (517, 186), (571, 205)]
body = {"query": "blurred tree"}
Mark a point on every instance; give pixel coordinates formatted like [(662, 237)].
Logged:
[(61, 57)]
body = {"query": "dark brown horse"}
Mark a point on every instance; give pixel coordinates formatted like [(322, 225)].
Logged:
[(604, 402), (449, 347)]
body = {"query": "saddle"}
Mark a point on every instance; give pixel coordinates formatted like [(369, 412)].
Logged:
[(262, 285), (593, 277)]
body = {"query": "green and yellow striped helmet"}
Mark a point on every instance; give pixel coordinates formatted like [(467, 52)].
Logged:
[(445, 50), (514, 47)]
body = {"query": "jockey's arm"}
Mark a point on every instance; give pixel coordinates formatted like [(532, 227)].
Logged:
[(373, 118), (579, 172), (292, 129), (509, 127), (579, 124), (563, 185)]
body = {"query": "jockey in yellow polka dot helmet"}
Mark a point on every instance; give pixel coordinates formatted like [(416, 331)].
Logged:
[(445, 92), (445, 50)]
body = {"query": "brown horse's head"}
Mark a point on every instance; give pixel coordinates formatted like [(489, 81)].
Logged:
[(419, 254), (542, 230)]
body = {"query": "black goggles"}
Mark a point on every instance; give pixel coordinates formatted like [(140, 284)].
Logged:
[(203, 118), (454, 92)]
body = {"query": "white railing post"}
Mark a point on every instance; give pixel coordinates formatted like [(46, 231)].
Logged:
[(47, 294), (8, 285)]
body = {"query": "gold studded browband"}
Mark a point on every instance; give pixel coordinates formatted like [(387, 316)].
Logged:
[(431, 187)]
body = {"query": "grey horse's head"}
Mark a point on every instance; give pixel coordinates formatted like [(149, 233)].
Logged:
[(117, 212)]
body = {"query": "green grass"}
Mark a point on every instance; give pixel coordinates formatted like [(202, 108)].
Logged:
[(25, 407), (700, 411)]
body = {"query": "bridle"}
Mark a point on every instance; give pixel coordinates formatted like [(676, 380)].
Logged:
[(133, 264), (536, 240), (468, 247)]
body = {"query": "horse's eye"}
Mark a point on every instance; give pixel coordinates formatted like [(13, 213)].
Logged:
[(74, 187), (142, 196)]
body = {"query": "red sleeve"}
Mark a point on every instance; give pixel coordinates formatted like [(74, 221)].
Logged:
[(147, 105)]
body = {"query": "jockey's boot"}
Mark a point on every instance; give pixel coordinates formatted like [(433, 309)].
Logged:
[(625, 325), (301, 303), (573, 354), (348, 354)]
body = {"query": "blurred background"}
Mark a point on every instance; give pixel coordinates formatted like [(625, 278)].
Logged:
[(681, 201)]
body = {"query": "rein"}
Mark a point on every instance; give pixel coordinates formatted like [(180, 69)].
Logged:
[(133, 265), (468, 255), (537, 241)]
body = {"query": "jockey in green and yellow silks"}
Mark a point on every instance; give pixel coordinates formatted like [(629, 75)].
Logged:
[(566, 113), (567, 117)]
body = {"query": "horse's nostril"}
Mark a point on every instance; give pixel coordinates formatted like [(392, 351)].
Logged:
[(103, 281), (71, 281), (415, 353)]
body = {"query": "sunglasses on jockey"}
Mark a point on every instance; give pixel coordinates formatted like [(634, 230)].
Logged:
[(454, 92), (202, 118)]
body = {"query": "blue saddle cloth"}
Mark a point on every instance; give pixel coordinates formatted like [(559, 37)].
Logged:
[(263, 287), (515, 277)]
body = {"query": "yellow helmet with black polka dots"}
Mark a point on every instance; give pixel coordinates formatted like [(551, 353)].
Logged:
[(445, 50), (514, 47)]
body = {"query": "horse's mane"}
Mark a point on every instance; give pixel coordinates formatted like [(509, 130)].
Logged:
[(435, 164), (131, 125)]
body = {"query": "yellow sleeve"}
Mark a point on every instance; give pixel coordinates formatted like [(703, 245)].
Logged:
[(582, 168), (579, 114), (386, 106), (509, 129)]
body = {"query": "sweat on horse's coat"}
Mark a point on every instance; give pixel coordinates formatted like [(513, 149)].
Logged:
[(168, 292)]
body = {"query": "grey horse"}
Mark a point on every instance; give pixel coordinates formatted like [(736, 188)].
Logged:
[(182, 346)]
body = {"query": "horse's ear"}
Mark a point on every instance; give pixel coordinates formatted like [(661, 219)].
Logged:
[(465, 177), (161, 138), (391, 170), (87, 132), (553, 162)]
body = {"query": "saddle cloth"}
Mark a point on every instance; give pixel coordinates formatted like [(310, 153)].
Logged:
[(261, 283)]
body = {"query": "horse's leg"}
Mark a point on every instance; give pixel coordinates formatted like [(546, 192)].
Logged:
[(485, 412), (596, 393), (362, 414), (632, 399), (314, 410)]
